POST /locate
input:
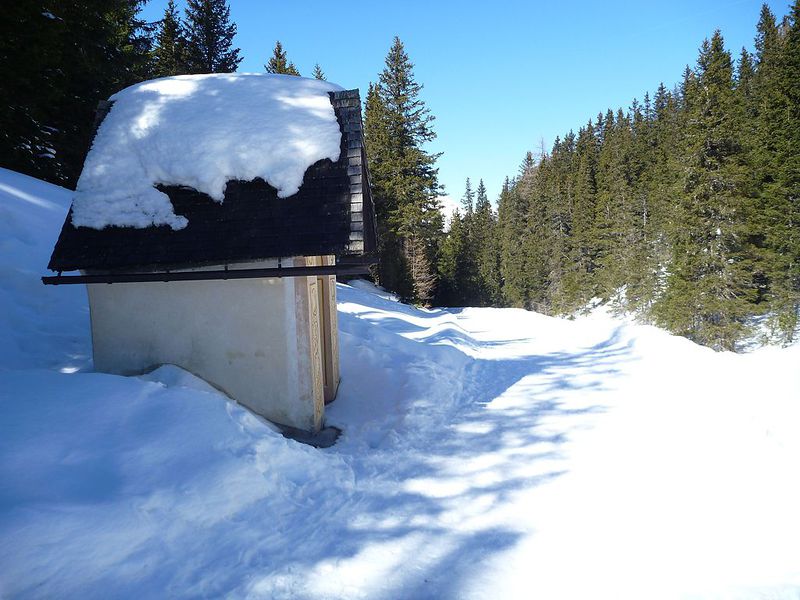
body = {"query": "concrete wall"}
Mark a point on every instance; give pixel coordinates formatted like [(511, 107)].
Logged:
[(258, 340)]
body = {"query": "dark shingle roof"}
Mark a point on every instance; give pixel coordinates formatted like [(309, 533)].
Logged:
[(332, 213)]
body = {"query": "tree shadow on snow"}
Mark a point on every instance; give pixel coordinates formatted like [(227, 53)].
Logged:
[(419, 507)]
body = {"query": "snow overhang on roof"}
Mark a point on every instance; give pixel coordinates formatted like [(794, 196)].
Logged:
[(202, 131)]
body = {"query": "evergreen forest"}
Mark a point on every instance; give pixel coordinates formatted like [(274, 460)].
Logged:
[(682, 209)]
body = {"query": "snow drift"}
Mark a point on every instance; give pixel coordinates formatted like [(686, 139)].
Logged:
[(40, 326)]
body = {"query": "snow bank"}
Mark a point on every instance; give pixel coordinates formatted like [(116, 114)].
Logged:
[(368, 286), (113, 472), (40, 326), (201, 131)]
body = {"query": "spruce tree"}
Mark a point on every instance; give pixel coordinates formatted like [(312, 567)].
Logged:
[(452, 275), (661, 187), (468, 199), (318, 73), (643, 212), (558, 180), (393, 272), (404, 178), (710, 283), (170, 52), (31, 57), (615, 198), (578, 279), (58, 60), (209, 37), (513, 217), (278, 63), (486, 249), (537, 190), (469, 278), (782, 193), (469, 285)]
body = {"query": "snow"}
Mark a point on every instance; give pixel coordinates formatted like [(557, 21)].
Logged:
[(448, 206), (40, 326), (201, 131), (485, 453)]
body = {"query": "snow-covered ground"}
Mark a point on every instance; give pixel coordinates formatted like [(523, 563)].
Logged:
[(486, 453)]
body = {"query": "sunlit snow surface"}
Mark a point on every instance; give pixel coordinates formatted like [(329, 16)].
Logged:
[(486, 453), (40, 326), (201, 131)]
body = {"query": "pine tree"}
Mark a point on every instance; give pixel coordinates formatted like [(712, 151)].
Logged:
[(538, 191), (468, 199), (60, 59), (641, 259), (209, 37), (487, 250), (318, 73), (578, 282), (747, 110), (710, 283), (393, 270), (404, 178), (452, 275), (513, 217), (132, 40), (614, 206), (170, 52), (278, 63), (469, 284), (660, 181), (776, 161), (31, 56), (558, 186)]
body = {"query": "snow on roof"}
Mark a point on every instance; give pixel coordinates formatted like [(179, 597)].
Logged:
[(202, 131)]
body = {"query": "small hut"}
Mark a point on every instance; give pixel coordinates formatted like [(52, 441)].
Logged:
[(220, 209)]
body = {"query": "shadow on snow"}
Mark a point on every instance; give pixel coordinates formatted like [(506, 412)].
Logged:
[(506, 417)]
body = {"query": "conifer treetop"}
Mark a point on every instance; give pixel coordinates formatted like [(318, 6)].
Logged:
[(170, 54), (209, 36), (279, 63)]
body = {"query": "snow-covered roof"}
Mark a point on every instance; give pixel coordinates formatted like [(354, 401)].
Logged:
[(202, 131), (184, 194)]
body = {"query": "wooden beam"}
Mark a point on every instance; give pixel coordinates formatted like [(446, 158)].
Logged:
[(357, 269)]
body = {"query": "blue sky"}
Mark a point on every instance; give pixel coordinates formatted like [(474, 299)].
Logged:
[(501, 76)]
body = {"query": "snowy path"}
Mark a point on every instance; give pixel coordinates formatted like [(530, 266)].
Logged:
[(593, 458), (486, 453)]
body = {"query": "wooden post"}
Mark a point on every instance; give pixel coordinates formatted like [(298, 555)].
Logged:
[(330, 331)]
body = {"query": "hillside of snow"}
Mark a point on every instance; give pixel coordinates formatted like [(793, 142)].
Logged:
[(486, 453)]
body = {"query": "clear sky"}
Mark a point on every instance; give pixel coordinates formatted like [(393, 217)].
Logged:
[(501, 76)]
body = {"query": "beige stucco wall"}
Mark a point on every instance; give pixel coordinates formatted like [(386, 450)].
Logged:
[(251, 338)]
